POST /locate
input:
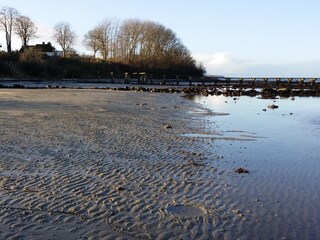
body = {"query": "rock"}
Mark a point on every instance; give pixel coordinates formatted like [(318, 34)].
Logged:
[(120, 188), (241, 170), (264, 110), (167, 126), (272, 106)]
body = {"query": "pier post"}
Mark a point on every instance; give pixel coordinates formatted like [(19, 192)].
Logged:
[(126, 78), (240, 82), (289, 80), (278, 82), (112, 77), (301, 82), (253, 82)]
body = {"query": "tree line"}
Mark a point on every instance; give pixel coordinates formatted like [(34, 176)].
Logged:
[(144, 45)]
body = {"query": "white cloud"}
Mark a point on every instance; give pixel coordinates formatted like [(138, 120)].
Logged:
[(224, 63), (221, 63)]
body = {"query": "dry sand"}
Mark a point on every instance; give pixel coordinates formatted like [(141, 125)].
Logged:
[(94, 164)]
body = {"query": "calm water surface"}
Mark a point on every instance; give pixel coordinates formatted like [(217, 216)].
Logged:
[(281, 193)]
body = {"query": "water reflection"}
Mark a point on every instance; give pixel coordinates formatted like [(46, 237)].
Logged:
[(291, 119), (282, 189)]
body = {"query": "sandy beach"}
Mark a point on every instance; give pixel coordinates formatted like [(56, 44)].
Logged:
[(95, 164), (102, 165)]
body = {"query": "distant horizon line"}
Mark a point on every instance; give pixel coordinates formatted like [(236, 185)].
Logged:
[(251, 78)]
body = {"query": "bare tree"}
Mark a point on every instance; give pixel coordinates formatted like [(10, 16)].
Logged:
[(103, 39), (91, 41), (8, 16), (145, 44), (114, 37), (130, 37), (25, 29), (64, 36)]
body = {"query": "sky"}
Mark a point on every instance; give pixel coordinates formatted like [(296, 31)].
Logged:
[(234, 38)]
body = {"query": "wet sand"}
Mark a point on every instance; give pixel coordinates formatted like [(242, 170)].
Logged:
[(80, 164), (102, 164)]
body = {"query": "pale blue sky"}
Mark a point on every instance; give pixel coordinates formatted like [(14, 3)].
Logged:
[(231, 37)]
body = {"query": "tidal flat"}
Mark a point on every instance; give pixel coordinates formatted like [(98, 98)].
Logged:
[(279, 196), (90, 163)]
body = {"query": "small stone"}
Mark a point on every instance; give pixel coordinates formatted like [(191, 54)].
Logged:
[(120, 188), (167, 126), (237, 211), (272, 106), (241, 170)]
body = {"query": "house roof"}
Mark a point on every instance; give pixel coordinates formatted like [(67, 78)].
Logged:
[(44, 47)]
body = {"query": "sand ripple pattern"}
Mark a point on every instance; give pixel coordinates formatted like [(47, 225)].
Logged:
[(99, 164)]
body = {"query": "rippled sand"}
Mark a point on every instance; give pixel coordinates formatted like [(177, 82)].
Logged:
[(90, 163), (79, 164)]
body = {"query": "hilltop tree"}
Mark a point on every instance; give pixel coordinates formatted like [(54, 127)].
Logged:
[(130, 36), (149, 42), (144, 44), (25, 29), (91, 41), (64, 36), (103, 39), (8, 17)]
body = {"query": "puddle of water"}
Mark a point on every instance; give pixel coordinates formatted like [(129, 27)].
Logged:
[(222, 136), (185, 211)]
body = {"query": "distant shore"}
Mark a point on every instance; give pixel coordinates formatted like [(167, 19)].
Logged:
[(222, 87)]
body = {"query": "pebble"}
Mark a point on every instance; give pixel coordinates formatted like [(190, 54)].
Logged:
[(120, 188), (241, 170), (273, 106)]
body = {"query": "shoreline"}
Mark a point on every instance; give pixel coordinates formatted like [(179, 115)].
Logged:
[(265, 90)]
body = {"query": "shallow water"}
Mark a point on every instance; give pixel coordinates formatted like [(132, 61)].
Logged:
[(280, 196)]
